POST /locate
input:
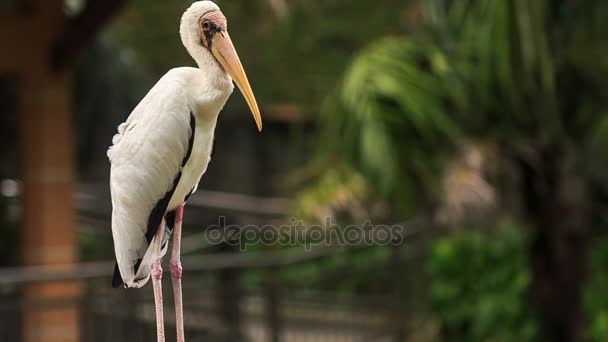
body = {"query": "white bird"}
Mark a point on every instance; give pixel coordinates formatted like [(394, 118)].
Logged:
[(161, 152)]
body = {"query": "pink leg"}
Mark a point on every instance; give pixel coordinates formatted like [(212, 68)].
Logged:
[(156, 271), (176, 273)]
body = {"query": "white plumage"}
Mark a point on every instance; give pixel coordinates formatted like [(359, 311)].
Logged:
[(151, 148), (161, 152), (147, 156)]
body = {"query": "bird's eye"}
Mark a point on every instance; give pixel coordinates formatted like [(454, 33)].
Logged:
[(206, 25)]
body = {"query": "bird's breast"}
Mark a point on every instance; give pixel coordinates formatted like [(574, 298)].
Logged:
[(205, 99), (196, 165)]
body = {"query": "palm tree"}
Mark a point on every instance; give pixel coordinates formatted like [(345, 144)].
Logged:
[(527, 77)]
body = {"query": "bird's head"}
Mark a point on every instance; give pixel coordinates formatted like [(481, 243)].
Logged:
[(204, 33)]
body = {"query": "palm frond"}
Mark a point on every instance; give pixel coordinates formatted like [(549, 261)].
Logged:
[(488, 70)]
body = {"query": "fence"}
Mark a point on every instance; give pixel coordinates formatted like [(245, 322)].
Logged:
[(268, 313), (216, 307)]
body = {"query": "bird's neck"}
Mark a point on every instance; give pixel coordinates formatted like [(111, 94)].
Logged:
[(214, 73), (209, 84), (208, 89)]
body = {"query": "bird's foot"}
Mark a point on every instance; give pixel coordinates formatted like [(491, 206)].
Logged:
[(156, 270), (176, 268)]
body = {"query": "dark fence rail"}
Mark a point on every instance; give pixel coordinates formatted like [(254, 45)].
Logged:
[(265, 314), (217, 307)]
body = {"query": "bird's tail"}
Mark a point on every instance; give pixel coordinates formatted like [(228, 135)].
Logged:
[(117, 279)]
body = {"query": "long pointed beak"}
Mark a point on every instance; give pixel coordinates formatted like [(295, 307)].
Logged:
[(224, 51)]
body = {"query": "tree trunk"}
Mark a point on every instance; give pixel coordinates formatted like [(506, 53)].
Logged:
[(554, 203)]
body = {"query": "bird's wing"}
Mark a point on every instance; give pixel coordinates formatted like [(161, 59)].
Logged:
[(146, 161)]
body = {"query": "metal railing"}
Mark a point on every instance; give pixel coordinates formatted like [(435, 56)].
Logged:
[(217, 307)]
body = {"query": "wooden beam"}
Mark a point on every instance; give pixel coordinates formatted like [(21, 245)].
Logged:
[(14, 33), (46, 151), (27, 35), (48, 171), (81, 30)]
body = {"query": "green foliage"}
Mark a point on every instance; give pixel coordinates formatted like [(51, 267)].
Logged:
[(596, 300), (362, 271), (339, 193), (479, 287), (515, 73), (599, 141), (479, 284), (389, 118), (357, 271)]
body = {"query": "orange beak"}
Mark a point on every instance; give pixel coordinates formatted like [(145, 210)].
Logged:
[(224, 51)]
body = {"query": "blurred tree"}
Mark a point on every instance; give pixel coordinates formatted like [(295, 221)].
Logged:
[(293, 51), (527, 77)]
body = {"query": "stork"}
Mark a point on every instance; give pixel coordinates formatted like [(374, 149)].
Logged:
[(162, 150)]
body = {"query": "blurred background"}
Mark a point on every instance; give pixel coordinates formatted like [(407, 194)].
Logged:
[(479, 127)]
